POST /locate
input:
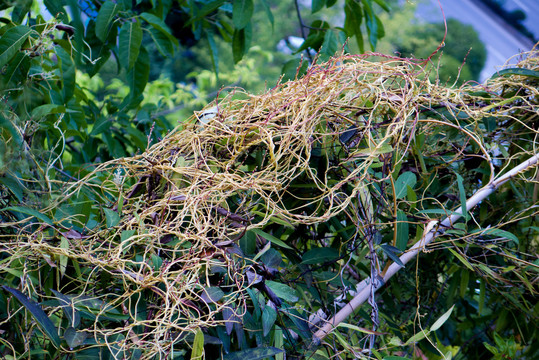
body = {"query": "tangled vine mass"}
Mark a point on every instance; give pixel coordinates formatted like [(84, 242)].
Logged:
[(259, 199)]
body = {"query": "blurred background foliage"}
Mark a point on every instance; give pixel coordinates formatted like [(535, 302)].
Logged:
[(102, 80)]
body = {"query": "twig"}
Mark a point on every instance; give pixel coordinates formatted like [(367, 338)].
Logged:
[(431, 232)]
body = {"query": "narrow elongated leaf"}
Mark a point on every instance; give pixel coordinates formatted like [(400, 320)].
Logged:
[(137, 78), (42, 319), (438, 324), (253, 354), (517, 71), (269, 14), (462, 259), (158, 24), (31, 212), (352, 22), (198, 346), (271, 238), (405, 179), (214, 52), (462, 192), (238, 45), (11, 42), (402, 230), (66, 303), (130, 41), (242, 11), (105, 18), (320, 256), (392, 252)]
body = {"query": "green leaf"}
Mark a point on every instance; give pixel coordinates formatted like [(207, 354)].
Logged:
[(212, 294), (417, 337), (11, 42), (238, 45), (105, 18), (268, 13), (137, 78), (242, 11), (112, 217), (198, 346), (74, 338), (462, 259), (392, 252), (30, 212), (462, 192), (517, 71), (130, 41), (320, 255), (283, 291), (482, 292), (352, 22), (163, 44), (66, 303), (317, 5), (405, 179), (67, 68), (499, 233), (254, 354), (438, 324), (159, 25), (271, 238), (402, 229), (47, 109), (214, 53), (42, 319), (269, 315)]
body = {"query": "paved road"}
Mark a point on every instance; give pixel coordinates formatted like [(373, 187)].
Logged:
[(500, 41)]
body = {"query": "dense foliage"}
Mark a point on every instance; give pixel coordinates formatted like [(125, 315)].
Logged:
[(123, 238)]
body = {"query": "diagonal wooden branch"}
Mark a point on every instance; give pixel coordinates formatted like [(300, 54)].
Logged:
[(431, 232)]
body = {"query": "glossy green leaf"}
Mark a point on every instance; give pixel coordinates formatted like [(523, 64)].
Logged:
[(212, 294), (129, 43), (403, 231), (42, 319), (214, 53), (271, 238), (159, 25), (16, 71), (417, 337), (242, 11), (11, 42), (105, 19), (283, 291), (405, 179), (197, 353), (269, 315), (47, 109), (253, 354), (320, 256)]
